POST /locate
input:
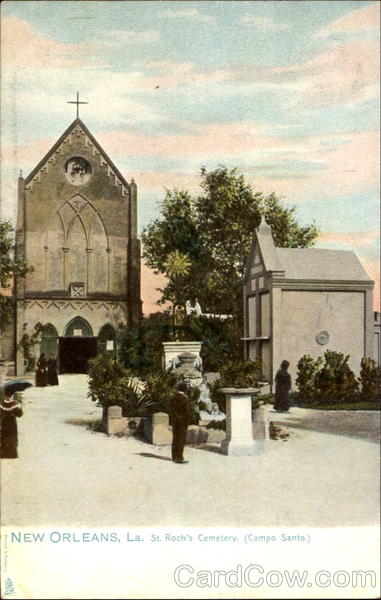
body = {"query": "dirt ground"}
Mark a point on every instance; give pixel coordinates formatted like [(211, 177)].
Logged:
[(325, 474)]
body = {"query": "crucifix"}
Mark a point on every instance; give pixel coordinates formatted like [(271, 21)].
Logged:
[(77, 102)]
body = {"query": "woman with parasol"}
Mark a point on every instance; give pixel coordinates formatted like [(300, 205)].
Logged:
[(10, 409)]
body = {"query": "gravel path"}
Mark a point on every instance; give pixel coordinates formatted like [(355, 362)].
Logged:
[(325, 474), (360, 424)]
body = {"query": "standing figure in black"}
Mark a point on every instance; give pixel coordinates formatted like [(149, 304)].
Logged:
[(282, 388), (52, 371), (10, 409), (41, 372), (180, 412)]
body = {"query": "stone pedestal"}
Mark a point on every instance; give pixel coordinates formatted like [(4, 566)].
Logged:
[(115, 423), (261, 423), (171, 350), (239, 439), (161, 434)]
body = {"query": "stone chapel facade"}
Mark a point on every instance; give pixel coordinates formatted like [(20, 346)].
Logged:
[(77, 227), (304, 301)]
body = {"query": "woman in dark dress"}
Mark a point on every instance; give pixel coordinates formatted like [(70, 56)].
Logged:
[(282, 388), (10, 409), (41, 371), (52, 371)]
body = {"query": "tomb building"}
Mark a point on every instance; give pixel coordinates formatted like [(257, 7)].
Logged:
[(304, 301)]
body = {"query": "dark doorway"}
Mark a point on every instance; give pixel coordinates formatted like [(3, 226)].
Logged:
[(75, 353)]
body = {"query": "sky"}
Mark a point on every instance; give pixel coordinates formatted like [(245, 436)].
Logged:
[(287, 92)]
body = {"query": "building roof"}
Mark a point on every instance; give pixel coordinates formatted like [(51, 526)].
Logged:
[(305, 264), (318, 263), (77, 123)]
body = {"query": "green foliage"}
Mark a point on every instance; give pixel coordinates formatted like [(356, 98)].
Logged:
[(125, 393), (326, 382), (235, 373), (28, 342), (221, 340), (160, 388), (335, 380), (104, 374), (10, 267), (305, 379), (215, 231), (141, 348), (370, 379)]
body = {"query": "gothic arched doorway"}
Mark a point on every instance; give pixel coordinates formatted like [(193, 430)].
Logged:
[(77, 346)]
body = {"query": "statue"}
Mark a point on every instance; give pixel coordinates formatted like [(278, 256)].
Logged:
[(193, 308)]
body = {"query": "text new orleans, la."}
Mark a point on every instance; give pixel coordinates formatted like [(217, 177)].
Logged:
[(56, 537)]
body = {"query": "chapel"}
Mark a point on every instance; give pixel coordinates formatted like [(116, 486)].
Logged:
[(77, 228), (304, 301)]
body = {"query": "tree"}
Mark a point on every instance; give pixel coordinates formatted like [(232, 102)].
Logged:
[(214, 231), (177, 267), (10, 267)]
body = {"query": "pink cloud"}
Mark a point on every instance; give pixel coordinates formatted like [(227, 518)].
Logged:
[(172, 74), (24, 46), (344, 73), (168, 180), (203, 141), (348, 164), (361, 19), (353, 239)]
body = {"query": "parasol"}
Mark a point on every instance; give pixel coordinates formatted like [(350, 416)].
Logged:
[(15, 385)]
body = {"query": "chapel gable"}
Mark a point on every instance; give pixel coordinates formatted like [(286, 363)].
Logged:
[(77, 169)]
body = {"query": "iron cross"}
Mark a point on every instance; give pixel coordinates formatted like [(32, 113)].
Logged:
[(77, 102)]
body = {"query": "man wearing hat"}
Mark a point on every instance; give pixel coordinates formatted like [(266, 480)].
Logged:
[(180, 412)]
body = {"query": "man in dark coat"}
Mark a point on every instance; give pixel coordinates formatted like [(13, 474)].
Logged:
[(10, 408), (282, 388), (180, 412)]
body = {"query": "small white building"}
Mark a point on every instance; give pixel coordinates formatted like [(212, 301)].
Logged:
[(304, 301)]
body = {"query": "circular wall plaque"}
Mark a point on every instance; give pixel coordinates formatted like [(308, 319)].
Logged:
[(77, 170), (322, 337)]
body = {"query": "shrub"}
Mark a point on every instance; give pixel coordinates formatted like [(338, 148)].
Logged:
[(221, 340), (335, 381), (104, 373), (370, 379), (160, 388), (305, 379), (141, 349)]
